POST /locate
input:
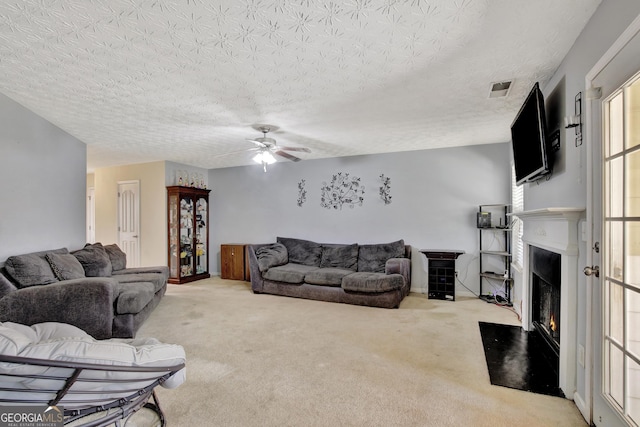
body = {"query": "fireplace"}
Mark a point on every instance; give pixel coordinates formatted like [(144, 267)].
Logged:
[(546, 282), (550, 285), (546, 310)]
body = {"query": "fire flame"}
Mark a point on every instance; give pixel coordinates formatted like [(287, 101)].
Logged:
[(552, 323)]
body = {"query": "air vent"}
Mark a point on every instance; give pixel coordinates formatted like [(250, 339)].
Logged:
[(500, 89)]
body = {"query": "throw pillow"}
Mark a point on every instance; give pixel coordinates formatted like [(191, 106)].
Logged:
[(6, 287), (117, 257), (65, 266), (30, 270), (372, 258), (303, 252), (340, 256), (271, 255), (94, 260)]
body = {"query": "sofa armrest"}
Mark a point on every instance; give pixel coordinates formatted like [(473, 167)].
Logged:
[(87, 303), (256, 275), (399, 266)]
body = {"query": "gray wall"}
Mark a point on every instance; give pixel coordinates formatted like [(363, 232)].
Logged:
[(567, 187), (435, 194), (42, 183)]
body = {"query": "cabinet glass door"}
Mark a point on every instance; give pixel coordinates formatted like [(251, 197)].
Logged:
[(201, 236), (186, 236), (174, 239)]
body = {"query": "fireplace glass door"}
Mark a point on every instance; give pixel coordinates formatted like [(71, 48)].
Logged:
[(621, 238)]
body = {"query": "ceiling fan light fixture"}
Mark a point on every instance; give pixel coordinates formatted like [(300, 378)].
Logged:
[(264, 157)]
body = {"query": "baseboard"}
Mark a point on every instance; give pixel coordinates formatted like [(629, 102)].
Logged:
[(424, 291), (582, 407), (418, 290), (468, 294)]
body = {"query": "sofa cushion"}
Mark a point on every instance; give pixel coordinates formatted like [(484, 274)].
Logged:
[(340, 256), (31, 269), (158, 279), (372, 282), (372, 258), (6, 287), (133, 297), (94, 260), (116, 256), (288, 273), (301, 251), (65, 266), (271, 255), (327, 276)]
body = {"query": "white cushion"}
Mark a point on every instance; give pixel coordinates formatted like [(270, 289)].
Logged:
[(62, 342), (14, 338)]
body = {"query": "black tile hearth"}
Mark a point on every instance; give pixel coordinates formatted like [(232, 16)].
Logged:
[(518, 359)]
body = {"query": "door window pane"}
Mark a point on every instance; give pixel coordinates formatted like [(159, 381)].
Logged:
[(632, 187), (616, 377), (615, 179), (632, 250), (633, 322), (617, 311), (634, 390), (614, 250), (632, 97), (616, 128)]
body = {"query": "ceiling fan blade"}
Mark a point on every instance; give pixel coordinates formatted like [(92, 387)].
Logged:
[(304, 149), (288, 156), (258, 143)]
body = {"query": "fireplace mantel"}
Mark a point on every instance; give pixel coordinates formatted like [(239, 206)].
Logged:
[(559, 213), (556, 230)]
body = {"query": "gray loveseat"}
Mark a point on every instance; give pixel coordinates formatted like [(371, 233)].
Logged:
[(90, 288), (377, 275)]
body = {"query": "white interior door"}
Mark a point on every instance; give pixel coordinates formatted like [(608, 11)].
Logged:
[(615, 217), (91, 215), (129, 221)]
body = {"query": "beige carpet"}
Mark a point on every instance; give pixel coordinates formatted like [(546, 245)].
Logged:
[(262, 360)]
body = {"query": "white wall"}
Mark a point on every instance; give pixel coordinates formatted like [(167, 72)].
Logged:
[(435, 196), (42, 184), (567, 186), (153, 208)]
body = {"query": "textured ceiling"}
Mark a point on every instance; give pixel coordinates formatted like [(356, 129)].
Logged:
[(189, 80)]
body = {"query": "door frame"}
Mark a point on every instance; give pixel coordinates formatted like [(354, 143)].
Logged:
[(594, 142)]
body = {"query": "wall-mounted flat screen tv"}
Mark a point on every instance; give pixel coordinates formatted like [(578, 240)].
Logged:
[(531, 154)]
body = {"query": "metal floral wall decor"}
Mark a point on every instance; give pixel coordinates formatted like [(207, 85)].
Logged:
[(385, 189), (342, 190), (302, 193)]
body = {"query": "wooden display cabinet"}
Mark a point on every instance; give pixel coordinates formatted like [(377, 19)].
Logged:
[(188, 221)]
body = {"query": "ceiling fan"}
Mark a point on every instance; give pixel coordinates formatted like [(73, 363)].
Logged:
[(268, 146)]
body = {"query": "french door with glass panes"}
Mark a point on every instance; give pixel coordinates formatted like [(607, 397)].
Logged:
[(621, 251)]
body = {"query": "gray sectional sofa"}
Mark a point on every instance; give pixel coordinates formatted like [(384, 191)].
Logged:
[(90, 288), (376, 275)]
